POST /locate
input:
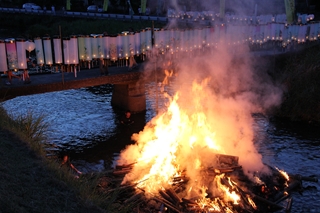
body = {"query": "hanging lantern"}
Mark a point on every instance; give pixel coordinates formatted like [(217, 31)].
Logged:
[(21, 53), (125, 44), (198, 38), (143, 41), (312, 33), (148, 38), (132, 46), (177, 40), (66, 50), (94, 46), (73, 50), (191, 39), (11, 54), (156, 38), (166, 41), (182, 40), (100, 46), (302, 33), (217, 35), (186, 40), (47, 50), (137, 42), (81, 47), (106, 46), (57, 49), (88, 48), (119, 46), (3, 57), (30, 46), (113, 48), (39, 50), (162, 40), (206, 36)]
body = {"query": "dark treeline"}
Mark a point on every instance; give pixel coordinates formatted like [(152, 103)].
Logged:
[(29, 27), (299, 74)]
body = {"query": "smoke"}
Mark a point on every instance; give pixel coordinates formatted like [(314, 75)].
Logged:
[(216, 93)]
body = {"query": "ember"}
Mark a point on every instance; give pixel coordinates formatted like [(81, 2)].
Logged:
[(235, 192)]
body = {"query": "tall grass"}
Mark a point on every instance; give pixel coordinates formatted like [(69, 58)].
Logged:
[(32, 130)]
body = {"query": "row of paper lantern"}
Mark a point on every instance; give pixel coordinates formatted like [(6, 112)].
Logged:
[(70, 50), (188, 40), (261, 19)]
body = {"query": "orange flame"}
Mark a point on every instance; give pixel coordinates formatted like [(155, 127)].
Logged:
[(184, 138)]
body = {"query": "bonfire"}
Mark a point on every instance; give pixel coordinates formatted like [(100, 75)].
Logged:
[(198, 153)]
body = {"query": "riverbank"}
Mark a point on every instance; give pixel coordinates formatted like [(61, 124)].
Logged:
[(28, 185), (30, 182), (299, 75)]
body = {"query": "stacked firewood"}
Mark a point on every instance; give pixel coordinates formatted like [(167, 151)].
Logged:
[(272, 193)]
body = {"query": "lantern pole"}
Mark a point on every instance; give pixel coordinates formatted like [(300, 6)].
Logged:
[(155, 67), (62, 70)]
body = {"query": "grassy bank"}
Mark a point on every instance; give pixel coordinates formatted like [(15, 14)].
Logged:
[(32, 182), (299, 74)]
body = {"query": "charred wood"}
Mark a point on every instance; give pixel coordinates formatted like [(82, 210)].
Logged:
[(168, 204), (289, 205)]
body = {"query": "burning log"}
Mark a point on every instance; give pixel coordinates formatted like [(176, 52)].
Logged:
[(135, 197), (125, 166), (122, 171), (173, 196), (268, 202), (292, 186), (289, 205), (165, 196), (165, 202)]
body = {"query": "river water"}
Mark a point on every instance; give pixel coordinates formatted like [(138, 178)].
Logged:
[(84, 123)]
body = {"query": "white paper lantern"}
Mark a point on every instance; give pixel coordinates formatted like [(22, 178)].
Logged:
[(81, 47), (177, 40), (94, 46), (106, 46), (132, 46), (143, 39), (66, 50), (156, 37), (39, 50), (57, 50), (125, 44), (182, 40), (47, 50), (100, 46), (148, 38), (137, 42), (302, 33), (11, 54), (3, 56), (30, 46), (73, 50), (120, 46), (113, 48), (312, 33), (21, 53), (88, 48)]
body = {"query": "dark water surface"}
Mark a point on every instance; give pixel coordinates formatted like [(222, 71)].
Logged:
[(84, 122)]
